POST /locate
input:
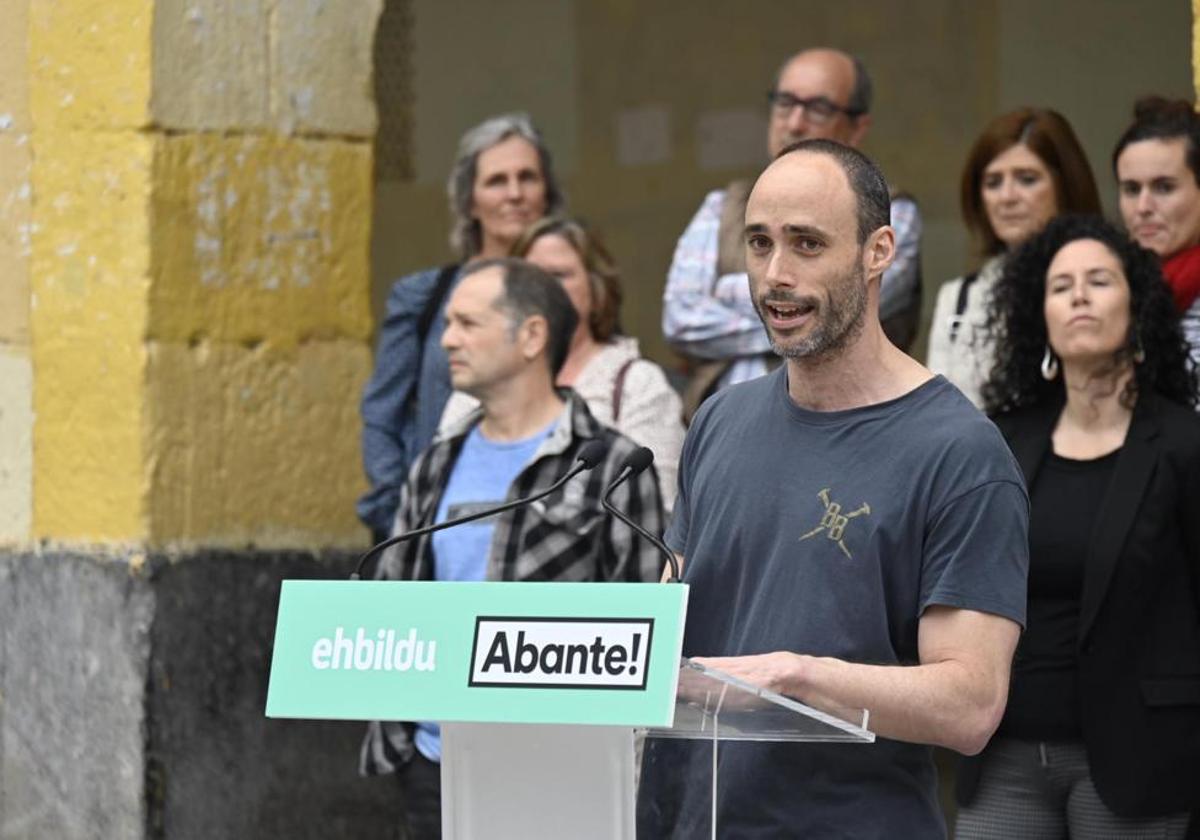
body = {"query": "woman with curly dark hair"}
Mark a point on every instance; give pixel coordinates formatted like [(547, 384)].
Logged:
[(1093, 390)]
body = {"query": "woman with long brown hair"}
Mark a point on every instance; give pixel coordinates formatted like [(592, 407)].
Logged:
[(1024, 169)]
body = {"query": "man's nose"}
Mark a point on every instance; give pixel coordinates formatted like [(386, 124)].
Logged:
[(776, 273), (797, 120)]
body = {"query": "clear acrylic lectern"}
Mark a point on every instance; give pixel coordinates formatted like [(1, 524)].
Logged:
[(537, 780)]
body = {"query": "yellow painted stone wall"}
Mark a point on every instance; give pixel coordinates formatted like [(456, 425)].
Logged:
[(16, 368), (260, 238), (1196, 46), (259, 327), (200, 270), (90, 269)]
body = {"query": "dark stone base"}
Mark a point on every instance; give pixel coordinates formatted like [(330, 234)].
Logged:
[(132, 696)]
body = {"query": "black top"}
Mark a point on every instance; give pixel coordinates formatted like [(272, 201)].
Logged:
[(1138, 650), (1043, 703)]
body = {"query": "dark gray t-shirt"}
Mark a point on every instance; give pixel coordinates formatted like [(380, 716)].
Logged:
[(829, 533)]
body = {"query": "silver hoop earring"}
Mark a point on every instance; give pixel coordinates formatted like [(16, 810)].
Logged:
[(1049, 365)]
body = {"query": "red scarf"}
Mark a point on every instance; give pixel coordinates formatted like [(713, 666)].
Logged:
[(1183, 276)]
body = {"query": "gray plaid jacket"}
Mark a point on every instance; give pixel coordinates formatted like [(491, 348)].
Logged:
[(567, 536)]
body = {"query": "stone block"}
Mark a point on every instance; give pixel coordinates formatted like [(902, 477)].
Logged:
[(14, 68), (211, 64), (89, 274), (251, 444), (295, 66), (209, 740), (16, 445), (15, 218), (132, 696), (89, 65), (260, 239), (74, 654), (321, 66)]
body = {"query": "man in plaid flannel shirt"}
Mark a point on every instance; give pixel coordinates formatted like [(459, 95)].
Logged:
[(507, 333)]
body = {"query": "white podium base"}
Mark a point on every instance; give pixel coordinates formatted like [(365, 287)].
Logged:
[(528, 781)]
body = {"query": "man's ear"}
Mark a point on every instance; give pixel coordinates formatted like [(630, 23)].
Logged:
[(862, 124), (533, 336), (879, 251)]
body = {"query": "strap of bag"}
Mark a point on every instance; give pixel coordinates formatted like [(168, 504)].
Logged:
[(433, 303), (619, 388), (960, 305), (440, 287)]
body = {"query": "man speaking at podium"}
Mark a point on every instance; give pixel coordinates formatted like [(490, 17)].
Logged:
[(508, 329), (854, 534)]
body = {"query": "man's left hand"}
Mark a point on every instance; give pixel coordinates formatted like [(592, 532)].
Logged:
[(781, 671)]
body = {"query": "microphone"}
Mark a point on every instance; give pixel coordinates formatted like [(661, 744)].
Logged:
[(635, 464), (590, 454)]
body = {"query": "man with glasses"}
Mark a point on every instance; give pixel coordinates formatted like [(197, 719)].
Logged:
[(707, 312)]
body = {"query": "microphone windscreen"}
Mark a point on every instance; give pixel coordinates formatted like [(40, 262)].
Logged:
[(638, 460), (592, 453)]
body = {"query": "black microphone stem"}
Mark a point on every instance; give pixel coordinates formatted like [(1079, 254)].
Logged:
[(450, 523), (657, 542)]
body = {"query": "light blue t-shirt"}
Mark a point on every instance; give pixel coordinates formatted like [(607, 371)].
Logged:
[(480, 479)]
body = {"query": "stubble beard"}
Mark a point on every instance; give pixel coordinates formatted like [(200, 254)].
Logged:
[(841, 318)]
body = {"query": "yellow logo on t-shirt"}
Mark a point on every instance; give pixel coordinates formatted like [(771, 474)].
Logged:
[(834, 522)]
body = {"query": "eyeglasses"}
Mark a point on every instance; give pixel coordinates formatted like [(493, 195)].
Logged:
[(818, 109)]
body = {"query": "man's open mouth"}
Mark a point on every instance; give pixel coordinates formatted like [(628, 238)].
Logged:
[(785, 315)]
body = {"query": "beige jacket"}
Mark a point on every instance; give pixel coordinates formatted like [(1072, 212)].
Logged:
[(967, 360)]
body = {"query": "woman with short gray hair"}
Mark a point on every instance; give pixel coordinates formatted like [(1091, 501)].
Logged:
[(501, 181), (467, 236)]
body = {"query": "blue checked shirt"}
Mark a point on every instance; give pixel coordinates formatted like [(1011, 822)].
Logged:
[(713, 317)]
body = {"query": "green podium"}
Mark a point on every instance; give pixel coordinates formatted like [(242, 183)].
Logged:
[(539, 688)]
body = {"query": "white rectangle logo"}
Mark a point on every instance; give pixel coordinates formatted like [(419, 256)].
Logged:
[(524, 652)]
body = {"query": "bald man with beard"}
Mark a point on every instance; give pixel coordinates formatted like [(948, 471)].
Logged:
[(853, 532)]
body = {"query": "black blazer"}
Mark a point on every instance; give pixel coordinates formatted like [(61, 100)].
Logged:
[(1139, 623)]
